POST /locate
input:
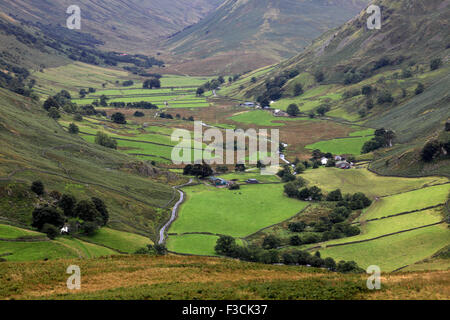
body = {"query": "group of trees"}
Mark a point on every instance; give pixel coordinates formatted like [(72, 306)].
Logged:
[(274, 87), (435, 149), (198, 170), (152, 83), (155, 250), (134, 105), (84, 92), (227, 246), (214, 84), (86, 215), (383, 139)]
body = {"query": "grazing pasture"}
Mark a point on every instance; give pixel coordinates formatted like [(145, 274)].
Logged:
[(362, 180), (237, 213)]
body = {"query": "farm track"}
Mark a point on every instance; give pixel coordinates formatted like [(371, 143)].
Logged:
[(162, 232)]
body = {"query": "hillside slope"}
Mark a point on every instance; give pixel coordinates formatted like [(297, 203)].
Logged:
[(390, 64), (35, 147), (128, 25), (246, 34)]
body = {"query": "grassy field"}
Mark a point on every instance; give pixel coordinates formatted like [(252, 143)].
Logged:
[(10, 232), (242, 177), (341, 146), (122, 241), (378, 228), (197, 244), (409, 201), (393, 252), (187, 278), (362, 180), (213, 210)]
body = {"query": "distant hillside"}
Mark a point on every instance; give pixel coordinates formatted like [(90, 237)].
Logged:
[(396, 78), (247, 34), (130, 25)]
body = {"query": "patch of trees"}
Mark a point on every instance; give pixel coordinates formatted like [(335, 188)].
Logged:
[(383, 139), (84, 215), (104, 140), (274, 87), (435, 149), (435, 64), (73, 128), (201, 171), (128, 83), (227, 246), (164, 115), (153, 250), (134, 105), (152, 83)]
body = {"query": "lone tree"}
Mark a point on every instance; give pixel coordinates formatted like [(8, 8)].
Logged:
[(293, 110), (119, 118), (38, 188), (298, 90), (200, 91), (51, 103), (73, 128)]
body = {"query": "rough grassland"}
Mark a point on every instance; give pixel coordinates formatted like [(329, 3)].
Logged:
[(414, 200), (187, 278), (362, 180), (236, 213)]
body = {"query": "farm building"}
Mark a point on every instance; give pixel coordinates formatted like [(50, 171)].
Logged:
[(218, 182), (279, 113), (324, 161), (249, 104), (252, 181), (343, 165)]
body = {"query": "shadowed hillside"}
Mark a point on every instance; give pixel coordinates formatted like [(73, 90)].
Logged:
[(243, 35), (128, 25)]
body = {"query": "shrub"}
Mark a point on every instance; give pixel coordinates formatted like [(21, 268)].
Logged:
[(119, 118), (297, 226), (293, 110), (234, 186), (54, 113)]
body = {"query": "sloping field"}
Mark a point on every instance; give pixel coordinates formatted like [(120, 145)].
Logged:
[(393, 252), (118, 240), (409, 201), (362, 180), (341, 146)]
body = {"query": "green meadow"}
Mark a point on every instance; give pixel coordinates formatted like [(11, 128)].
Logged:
[(237, 213), (341, 146), (261, 118), (409, 201), (118, 240)]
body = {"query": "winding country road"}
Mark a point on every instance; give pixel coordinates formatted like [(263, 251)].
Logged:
[(162, 232)]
